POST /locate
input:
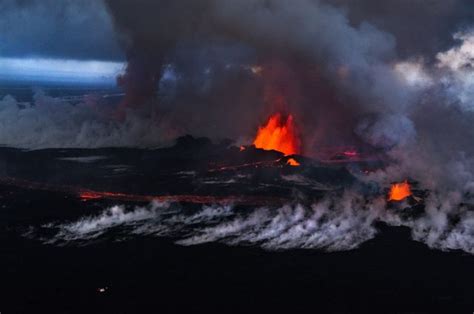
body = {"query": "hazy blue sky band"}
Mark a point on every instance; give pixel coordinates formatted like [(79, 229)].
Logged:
[(59, 70)]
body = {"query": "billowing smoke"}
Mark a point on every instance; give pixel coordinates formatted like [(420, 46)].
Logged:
[(54, 122), (310, 55), (421, 28), (333, 224)]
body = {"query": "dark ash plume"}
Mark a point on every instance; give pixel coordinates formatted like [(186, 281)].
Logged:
[(327, 67)]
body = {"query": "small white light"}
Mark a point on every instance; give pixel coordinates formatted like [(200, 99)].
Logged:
[(102, 290)]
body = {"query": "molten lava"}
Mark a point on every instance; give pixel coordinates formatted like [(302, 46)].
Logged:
[(292, 162), (399, 191), (279, 133), (87, 195), (351, 153)]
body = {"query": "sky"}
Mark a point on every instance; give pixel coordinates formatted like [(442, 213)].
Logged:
[(62, 40), (51, 30), (83, 29)]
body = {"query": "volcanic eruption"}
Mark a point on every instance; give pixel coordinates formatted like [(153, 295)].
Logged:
[(279, 133), (399, 191), (293, 162), (266, 134), (318, 82)]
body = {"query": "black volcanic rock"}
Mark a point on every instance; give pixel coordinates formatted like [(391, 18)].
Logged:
[(191, 166)]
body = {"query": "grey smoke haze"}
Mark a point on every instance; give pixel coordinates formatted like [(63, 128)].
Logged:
[(305, 31), (329, 72), (51, 122), (421, 27)]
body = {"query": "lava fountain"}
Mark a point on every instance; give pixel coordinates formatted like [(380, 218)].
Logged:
[(279, 133), (399, 191)]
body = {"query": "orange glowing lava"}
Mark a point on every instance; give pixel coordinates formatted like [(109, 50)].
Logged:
[(293, 162), (399, 191), (279, 134), (86, 196), (351, 153)]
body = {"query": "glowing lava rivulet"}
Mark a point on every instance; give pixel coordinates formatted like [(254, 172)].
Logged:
[(293, 162)]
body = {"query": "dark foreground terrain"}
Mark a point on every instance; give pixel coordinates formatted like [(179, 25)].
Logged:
[(390, 274), (110, 274)]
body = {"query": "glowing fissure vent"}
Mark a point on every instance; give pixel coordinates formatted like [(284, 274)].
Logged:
[(279, 133), (399, 191), (293, 162)]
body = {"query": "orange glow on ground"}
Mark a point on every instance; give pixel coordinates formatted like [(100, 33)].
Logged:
[(293, 162), (351, 153), (279, 133), (86, 196), (89, 195), (399, 191)]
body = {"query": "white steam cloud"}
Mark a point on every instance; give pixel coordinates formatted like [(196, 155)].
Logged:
[(50, 122), (332, 224)]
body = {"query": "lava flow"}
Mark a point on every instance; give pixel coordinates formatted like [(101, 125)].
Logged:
[(279, 133), (293, 162), (399, 191)]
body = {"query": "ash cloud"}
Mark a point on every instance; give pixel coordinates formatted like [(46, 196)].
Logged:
[(328, 71), (421, 28)]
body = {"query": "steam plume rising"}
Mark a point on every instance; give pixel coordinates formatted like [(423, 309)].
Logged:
[(333, 224)]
